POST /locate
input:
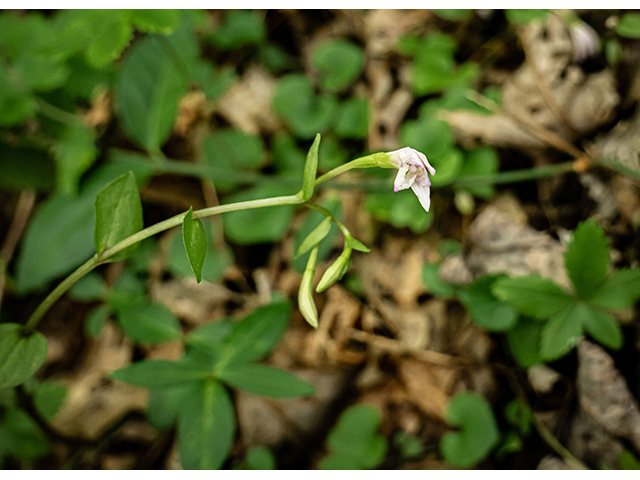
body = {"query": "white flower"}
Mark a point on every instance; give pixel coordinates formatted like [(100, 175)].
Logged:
[(413, 171), (585, 40)]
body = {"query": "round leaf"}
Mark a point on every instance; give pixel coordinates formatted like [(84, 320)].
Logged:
[(478, 432), (339, 63)]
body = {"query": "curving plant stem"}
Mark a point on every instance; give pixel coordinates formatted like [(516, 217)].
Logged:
[(174, 221)]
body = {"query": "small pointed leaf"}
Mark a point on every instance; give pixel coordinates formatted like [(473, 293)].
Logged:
[(310, 170), (267, 381), (195, 243), (315, 237), (587, 258)]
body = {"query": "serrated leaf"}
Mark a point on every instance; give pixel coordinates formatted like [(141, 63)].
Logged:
[(256, 335), (534, 296), (587, 258), (339, 62), (206, 426), (118, 215), (263, 380), (149, 323), (159, 373), (603, 328), (195, 243), (562, 332), (478, 432), (20, 356), (155, 20), (524, 342), (487, 311), (148, 90), (621, 290)]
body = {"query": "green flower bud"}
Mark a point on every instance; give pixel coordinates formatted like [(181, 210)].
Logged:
[(305, 294), (336, 271)]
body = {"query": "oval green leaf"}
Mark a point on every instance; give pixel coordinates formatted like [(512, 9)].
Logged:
[(118, 215), (195, 243), (267, 381), (20, 357)]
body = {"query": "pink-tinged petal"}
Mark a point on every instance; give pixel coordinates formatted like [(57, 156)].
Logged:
[(423, 195), (404, 179)]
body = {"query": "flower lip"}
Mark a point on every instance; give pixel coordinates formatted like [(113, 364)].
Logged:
[(413, 172)]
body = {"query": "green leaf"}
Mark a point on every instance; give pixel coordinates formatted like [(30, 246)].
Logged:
[(305, 113), (148, 90), (257, 334), (310, 170), (525, 16), (629, 25), (195, 243), (165, 404), (206, 426), (110, 33), (74, 154), (518, 414), (628, 461), (159, 373), (58, 239), (562, 332), (49, 397), (263, 380), (260, 458), (435, 286), (603, 328), (353, 118), (89, 288), (478, 432), (215, 261), (587, 257), (621, 290), (260, 225), (206, 343), (24, 168), (354, 441), (434, 68), (232, 149), (401, 209), (118, 215), (531, 295), (482, 161), (155, 20), (21, 437), (339, 63), (16, 106), (315, 237), (20, 356), (487, 311), (524, 342), (408, 445), (429, 135), (96, 320), (240, 28), (332, 154), (149, 323)]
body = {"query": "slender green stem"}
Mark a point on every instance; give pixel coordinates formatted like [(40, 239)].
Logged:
[(174, 221), (58, 114), (329, 214), (517, 175), (553, 442), (57, 292)]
